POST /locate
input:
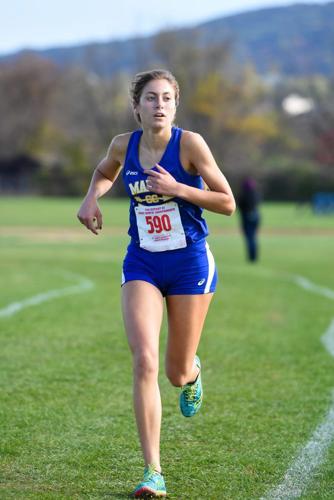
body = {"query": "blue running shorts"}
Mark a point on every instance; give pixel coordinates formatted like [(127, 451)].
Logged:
[(185, 271)]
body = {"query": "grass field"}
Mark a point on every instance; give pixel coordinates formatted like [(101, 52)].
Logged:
[(67, 424)]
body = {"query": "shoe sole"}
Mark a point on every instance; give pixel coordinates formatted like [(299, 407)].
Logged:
[(148, 493)]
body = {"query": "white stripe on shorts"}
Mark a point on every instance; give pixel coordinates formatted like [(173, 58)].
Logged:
[(211, 265)]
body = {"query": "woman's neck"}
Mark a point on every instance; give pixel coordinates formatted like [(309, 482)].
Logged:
[(156, 140)]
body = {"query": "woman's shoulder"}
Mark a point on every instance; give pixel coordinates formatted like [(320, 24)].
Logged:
[(121, 141), (119, 145), (191, 141), (189, 135), (191, 148)]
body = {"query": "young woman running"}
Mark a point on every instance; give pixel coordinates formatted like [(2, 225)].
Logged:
[(163, 168)]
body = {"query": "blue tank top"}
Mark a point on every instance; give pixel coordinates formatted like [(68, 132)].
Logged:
[(195, 227)]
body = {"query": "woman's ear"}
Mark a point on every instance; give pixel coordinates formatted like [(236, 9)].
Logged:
[(136, 113)]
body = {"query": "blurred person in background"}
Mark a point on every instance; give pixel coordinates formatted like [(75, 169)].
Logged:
[(248, 204), (164, 169)]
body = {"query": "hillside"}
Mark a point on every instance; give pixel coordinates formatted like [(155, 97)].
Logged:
[(292, 40)]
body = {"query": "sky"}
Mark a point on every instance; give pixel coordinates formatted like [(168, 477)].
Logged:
[(42, 24)]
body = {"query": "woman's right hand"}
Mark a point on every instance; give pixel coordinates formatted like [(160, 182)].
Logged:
[(90, 215)]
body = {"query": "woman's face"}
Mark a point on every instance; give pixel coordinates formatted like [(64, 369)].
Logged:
[(157, 105)]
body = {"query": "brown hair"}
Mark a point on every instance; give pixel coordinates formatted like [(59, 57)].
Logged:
[(141, 79)]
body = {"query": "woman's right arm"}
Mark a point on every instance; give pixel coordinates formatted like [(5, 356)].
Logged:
[(102, 180)]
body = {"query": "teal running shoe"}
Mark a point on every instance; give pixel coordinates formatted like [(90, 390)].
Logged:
[(191, 396), (152, 486)]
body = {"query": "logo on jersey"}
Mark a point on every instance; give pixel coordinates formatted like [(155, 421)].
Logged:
[(139, 187), (201, 282), (131, 172)]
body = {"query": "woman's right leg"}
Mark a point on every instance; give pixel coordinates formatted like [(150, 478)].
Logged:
[(142, 315)]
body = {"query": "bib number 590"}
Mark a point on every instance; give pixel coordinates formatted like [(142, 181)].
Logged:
[(158, 223)]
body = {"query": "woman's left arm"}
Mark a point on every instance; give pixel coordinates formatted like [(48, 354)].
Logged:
[(219, 198)]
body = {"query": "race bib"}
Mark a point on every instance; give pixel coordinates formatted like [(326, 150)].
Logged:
[(160, 227)]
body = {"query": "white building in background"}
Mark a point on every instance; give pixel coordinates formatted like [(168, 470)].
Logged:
[(295, 104)]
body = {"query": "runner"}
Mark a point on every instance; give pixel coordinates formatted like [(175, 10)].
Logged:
[(164, 169)]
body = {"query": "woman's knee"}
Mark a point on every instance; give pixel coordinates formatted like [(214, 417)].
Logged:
[(177, 375), (145, 364)]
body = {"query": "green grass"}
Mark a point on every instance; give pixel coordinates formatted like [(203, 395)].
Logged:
[(67, 424), (54, 212)]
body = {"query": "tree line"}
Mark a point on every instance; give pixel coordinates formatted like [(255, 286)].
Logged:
[(57, 123)]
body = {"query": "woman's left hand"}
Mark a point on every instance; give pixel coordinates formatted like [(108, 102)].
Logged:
[(161, 182)]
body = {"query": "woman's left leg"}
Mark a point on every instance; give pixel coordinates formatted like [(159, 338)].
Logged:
[(186, 317)]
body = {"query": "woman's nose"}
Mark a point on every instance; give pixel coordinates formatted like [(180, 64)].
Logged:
[(160, 102)]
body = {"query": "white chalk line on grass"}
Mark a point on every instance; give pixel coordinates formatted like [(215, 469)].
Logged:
[(328, 338), (311, 287), (301, 471), (83, 285)]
